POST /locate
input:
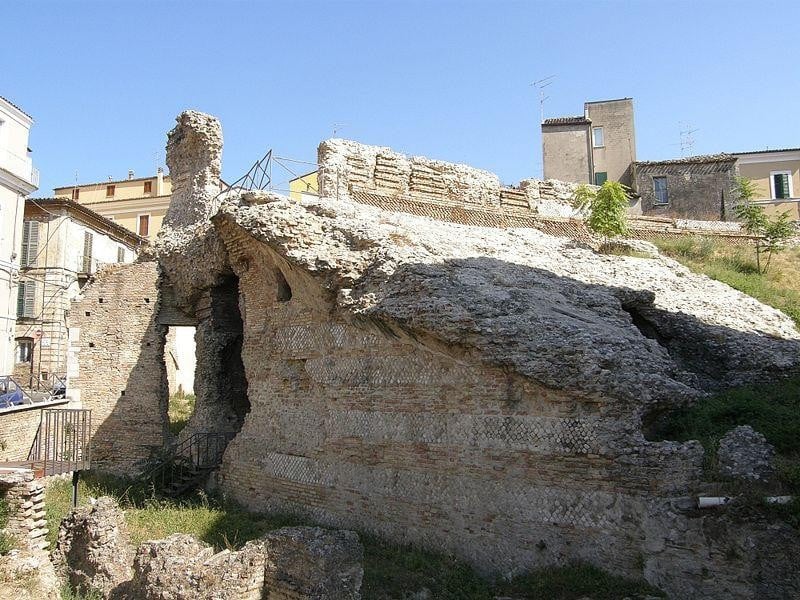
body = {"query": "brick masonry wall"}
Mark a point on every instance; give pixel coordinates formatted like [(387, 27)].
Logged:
[(17, 432), (120, 372), (356, 427), (26, 509)]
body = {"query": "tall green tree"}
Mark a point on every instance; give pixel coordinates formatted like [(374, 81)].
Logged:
[(770, 234), (607, 207)]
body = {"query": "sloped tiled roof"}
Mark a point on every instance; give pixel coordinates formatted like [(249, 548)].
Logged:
[(15, 106), (581, 120), (691, 160)]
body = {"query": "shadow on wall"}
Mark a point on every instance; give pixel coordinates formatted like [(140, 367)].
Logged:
[(131, 423)]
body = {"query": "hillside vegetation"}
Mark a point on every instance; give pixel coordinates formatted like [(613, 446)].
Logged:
[(736, 265), (773, 409)]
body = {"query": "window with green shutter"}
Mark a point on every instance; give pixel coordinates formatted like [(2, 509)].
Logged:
[(30, 243), (600, 178), (26, 296), (781, 184)]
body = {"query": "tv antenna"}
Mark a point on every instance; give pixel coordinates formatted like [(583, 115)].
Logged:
[(540, 84), (337, 127), (687, 138)]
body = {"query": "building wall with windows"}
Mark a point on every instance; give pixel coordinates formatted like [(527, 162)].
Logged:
[(138, 204), (699, 187), (613, 138), (592, 148), (18, 178), (63, 245), (776, 174)]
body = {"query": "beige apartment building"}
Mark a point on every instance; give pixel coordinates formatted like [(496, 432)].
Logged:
[(139, 204), (63, 245), (136, 203), (776, 174), (593, 147)]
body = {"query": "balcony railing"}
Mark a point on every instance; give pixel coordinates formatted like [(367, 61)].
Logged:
[(21, 166)]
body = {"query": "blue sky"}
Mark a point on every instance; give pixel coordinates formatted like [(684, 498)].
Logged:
[(449, 80)]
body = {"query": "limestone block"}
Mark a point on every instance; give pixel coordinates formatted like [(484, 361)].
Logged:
[(311, 563)]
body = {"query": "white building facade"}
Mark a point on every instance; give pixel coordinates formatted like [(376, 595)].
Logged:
[(18, 178)]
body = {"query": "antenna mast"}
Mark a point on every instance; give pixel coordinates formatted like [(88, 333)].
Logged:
[(687, 138), (540, 84)]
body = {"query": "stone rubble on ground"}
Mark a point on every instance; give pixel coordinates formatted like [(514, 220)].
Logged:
[(297, 563)]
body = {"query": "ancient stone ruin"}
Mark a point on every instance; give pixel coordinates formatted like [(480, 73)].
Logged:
[(404, 356), (94, 552)]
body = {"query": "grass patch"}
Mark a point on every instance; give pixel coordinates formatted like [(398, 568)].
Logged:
[(391, 571), (572, 583), (181, 407), (7, 542), (736, 266)]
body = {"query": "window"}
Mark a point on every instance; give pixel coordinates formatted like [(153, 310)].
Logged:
[(660, 188), (144, 225), (148, 187), (24, 350), (26, 296), (76, 193), (88, 242), (30, 243), (780, 184), (120, 254), (600, 178), (597, 137), (110, 189)]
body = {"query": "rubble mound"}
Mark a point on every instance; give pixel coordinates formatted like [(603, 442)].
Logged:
[(645, 330)]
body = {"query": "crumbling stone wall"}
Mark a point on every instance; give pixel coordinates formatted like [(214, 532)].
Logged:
[(294, 563), (93, 550), (26, 510), (120, 372), (349, 169)]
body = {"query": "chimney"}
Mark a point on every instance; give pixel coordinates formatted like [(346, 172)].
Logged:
[(160, 182), (130, 174)]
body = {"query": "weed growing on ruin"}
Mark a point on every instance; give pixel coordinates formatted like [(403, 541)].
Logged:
[(7, 542), (779, 287), (67, 593), (607, 207)]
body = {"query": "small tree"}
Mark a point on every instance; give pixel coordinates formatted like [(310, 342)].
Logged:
[(769, 233), (608, 208)]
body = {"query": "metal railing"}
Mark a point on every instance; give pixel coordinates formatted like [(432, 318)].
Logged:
[(62, 443), (14, 396), (184, 464)]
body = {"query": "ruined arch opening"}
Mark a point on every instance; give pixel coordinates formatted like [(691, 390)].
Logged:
[(220, 384)]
